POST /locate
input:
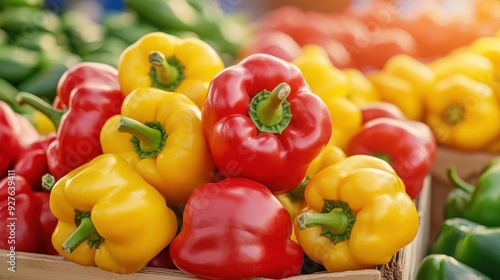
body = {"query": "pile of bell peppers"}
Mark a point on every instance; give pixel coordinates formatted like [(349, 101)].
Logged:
[(467, 241), (173, 155)]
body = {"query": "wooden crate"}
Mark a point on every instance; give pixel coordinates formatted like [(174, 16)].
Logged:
[(46, 267)]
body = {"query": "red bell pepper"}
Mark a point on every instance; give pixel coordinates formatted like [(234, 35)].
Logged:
[(408, 146), (31, 162), (16, 132), (28, 221), (263, 123), (92, 94), (236, 229), (381, 109)]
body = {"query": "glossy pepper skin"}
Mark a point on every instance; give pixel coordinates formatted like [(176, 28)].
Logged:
[(236, 229), (161, 135), (380, 109), (481, 198), (408, 146), (450, 232), (109, 216), (443, 267), (169, 63), (94, 96), (480, 249), (458, 110), (33, 224), (263, 123), (353, 209), (31, 161), (15, 132)]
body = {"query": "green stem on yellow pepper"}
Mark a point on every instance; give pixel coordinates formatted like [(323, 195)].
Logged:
[(40, 105), (164, 74), (84, 232), (336, 220), (149, 139), (270, 111), (454, 114)]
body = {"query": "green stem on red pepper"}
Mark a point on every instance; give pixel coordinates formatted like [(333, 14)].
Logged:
[(149, 139), (270, 111), (40, 105), (165, 73), (383, 156), (85, 231), (459, 182), (48, 182), (336, 220)]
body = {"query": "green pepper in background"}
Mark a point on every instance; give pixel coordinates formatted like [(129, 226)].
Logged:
[(44, 82), (126, 26), (450, 233), (21, 3), (25, 20), (443, 267), (222, 31), (483, 206), (480, 249), (84, 34), (108, 53), (17, 63), (458, 198)]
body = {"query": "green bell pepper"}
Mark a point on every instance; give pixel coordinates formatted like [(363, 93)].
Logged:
[(480, 249), (450, 233), (443, 267), (482, 200), (17, 63)]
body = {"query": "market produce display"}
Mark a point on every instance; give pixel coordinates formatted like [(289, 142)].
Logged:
[(176, 135)]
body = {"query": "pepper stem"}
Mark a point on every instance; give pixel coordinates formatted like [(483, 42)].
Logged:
[(298, 192), (165, 73), (84, 232), (454, 114), (148, 139), (336, 219), (457, 181), (383, 156), (40, 105), (270, 111), (48, 182)]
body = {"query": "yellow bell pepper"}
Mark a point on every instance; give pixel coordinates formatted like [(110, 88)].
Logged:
[(488, 47), (42, 123), (467, 63), (185, 65), (161, 135), (353, 209), (418, 74), (399, 92), (323, 77), (346, 120), (109, 216), (461, 113), (294, 201), (360, 90)]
